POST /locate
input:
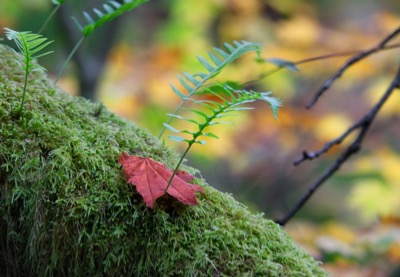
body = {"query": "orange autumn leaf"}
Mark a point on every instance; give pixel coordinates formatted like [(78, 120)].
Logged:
[(151, 178)]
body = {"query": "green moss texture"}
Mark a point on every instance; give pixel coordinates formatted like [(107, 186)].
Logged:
[(66, 209)]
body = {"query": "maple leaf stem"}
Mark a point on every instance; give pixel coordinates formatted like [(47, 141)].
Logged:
[(177, 166)]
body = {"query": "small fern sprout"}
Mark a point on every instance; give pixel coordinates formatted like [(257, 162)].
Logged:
[(29, 44), (112, 10), (219, 59), (234, 102)]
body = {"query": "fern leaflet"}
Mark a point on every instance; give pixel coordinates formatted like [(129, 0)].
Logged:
[(214, 112), (57, 2), (219, 59), (112, 9)]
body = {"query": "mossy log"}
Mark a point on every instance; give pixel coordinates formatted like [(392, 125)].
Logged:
[(66, 209)]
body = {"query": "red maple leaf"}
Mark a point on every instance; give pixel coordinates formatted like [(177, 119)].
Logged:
[(151, 178)]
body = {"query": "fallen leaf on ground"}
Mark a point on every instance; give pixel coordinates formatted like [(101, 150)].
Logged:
[(151, 178)]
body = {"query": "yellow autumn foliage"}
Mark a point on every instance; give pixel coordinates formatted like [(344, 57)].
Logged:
[(375, 197), (331, 126)]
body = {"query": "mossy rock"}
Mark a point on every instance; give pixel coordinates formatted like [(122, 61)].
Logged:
[(66, 209)]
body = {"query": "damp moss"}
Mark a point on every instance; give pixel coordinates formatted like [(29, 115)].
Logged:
[(66, 210)]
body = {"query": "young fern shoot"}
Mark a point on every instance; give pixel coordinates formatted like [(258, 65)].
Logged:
[(227, 106), (29, 45), (220, 58), (112, 10)]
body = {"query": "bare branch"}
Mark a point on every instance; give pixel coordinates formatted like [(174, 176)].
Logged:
[(363, 124), (358, 57), (315, 154), (316, 58)]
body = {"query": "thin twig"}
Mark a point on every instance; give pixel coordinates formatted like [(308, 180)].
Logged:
[(342, 54), (316, 58), (315, 154), (364, 125), (328, 83)]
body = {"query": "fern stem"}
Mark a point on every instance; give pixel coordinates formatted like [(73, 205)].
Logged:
[(68, 59), (48, 19), (24, 91), (177, 166), (193, 140)]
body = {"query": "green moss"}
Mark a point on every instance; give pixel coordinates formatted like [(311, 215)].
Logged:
[(65, 208)]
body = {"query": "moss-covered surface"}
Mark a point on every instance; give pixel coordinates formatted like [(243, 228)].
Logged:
[(66, 210)]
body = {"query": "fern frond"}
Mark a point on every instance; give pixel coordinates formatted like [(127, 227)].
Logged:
[(112, 9), (235, 101), (227, 106), (219, 58), (29, 45)]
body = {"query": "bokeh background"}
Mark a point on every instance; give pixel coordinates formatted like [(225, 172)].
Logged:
[(352, 223)]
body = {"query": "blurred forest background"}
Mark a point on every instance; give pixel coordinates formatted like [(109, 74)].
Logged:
[(352, 223)]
